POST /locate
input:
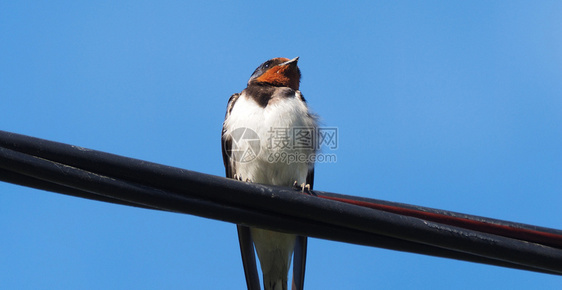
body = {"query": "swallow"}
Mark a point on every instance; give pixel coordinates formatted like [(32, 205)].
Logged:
[(267, 121)]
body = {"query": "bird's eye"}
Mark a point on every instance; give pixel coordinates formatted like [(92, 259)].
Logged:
[(267, 64)]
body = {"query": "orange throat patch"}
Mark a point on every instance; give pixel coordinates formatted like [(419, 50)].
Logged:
[(283, 76)]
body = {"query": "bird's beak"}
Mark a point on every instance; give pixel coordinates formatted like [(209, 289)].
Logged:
[(292, 61)]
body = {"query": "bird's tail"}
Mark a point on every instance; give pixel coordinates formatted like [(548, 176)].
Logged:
[(272, 283)]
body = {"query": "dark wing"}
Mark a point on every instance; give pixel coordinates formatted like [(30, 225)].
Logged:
[(299, 258), (299, 264), (226, 141), (248, 257), (244, 234)]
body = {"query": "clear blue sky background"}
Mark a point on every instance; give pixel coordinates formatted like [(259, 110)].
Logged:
[(442, 104)]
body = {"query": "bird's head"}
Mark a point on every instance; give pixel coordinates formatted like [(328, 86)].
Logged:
[(279, 72)]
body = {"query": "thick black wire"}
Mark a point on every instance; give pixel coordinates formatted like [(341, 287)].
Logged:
[(89, 173), (158, 175), (90, 181)]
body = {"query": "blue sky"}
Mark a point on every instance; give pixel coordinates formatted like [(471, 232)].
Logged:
[(442, 104)]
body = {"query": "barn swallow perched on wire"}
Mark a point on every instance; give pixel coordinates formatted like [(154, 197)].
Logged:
[(270, 105)]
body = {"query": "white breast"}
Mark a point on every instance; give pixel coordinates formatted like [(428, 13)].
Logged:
[(287, 113)]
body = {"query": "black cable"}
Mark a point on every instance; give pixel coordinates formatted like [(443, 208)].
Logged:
[(113, 178), (173, 178), (89, 181), (24, 180)]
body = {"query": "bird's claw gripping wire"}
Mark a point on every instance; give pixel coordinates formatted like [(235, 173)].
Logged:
[(303, 187)]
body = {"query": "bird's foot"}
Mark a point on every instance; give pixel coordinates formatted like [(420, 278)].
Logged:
[(304, 188), (239, 178)]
